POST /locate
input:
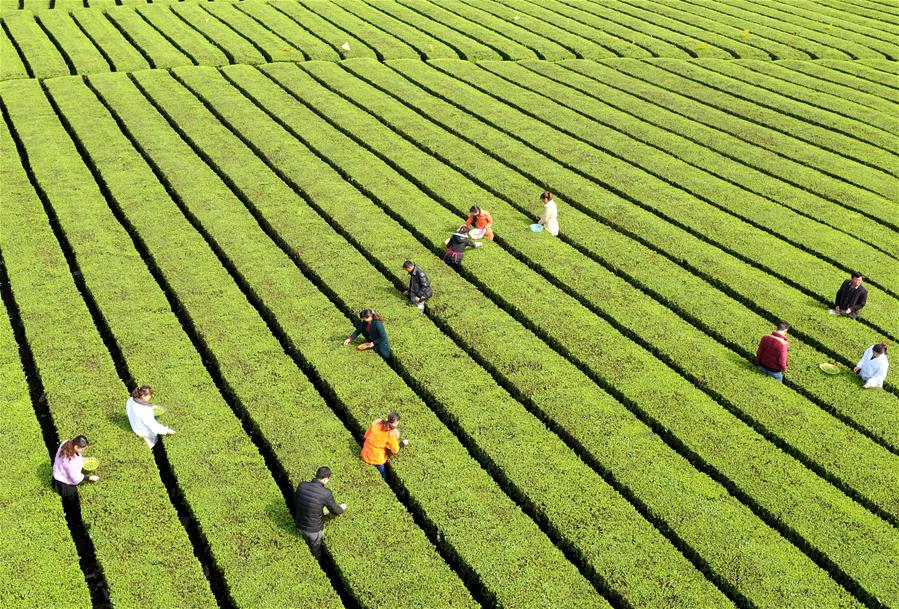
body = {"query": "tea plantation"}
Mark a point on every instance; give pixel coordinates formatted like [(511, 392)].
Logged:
[(201, 197)]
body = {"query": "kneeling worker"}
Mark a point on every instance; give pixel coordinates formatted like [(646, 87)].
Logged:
[(456, 245), (310, 499), (550, 217), (872, 367), (419, 286), (480, 218), (851, 297), (771, 355)]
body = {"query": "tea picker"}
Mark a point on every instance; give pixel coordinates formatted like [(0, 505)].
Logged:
[(142, 417), (550, 217), (372, 328), (457, 243), (68, 465), (382, 437), (873, 366), (851, 297), (771, 355), (481, 220), (312, 501), (419, 290)]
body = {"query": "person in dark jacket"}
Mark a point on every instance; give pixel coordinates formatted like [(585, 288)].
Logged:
[(419, 286), (771, 356), (456, 245), (372, 328), (310, 499), (851, 297)]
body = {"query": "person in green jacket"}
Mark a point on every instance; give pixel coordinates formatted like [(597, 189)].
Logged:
[(372, 328)]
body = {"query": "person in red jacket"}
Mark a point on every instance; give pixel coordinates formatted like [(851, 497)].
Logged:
[(381, 437), (771, 356)]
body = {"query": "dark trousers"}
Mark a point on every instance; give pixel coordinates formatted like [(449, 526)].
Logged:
[(382, 470), (66, 490), (454, 259), (314, 541)]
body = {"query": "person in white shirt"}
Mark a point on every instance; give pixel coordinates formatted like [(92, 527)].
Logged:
[(550, 217), (872, 367), (140, 415)]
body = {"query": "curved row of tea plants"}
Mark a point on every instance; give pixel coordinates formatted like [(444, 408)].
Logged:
[(70, 38)]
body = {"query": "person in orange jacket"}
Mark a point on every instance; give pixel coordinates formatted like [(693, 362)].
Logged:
[(480, 218), (381, 437)]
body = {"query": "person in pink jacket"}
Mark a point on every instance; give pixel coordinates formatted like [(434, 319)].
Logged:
[(67, 466)]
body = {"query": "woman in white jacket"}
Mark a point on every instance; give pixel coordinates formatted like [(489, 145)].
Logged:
[(550, 217), (140, 415), (872, 367)]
